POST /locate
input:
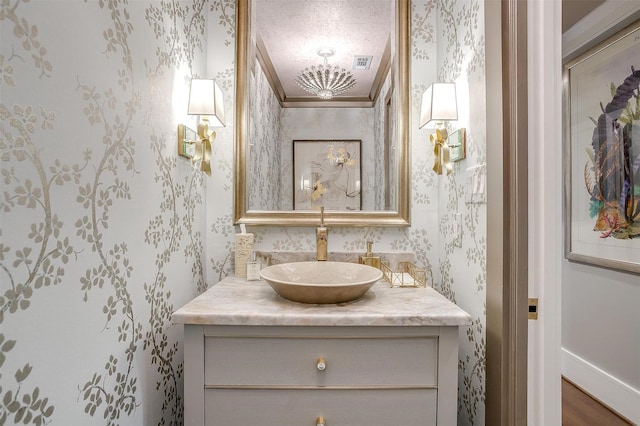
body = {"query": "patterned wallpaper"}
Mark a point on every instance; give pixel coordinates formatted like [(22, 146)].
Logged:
[(461, 59), (380, 186), (103, 226), (89, 279), (265, 169)]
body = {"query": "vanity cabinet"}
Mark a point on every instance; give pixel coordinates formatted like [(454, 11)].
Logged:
[(293, 364)]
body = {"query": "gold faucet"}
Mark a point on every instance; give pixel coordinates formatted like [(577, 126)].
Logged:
[(322, 238)]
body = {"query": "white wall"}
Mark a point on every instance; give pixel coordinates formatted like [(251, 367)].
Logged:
[(601, 334), (600, 314)]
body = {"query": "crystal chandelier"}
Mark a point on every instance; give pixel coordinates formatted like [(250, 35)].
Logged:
[(324, 80)]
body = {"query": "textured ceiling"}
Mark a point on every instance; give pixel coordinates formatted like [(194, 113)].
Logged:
[(294, 30)]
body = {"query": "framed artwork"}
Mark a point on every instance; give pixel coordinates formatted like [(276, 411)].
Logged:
[(327, 173), (602, 153)]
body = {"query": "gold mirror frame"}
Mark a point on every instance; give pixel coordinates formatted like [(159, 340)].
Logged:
[(398, 218)]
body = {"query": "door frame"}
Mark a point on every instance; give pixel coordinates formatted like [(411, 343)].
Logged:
[(524, 248), (545, 204), (507, 200)]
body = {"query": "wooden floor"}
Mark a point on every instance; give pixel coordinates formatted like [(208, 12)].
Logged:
[(580, 409)]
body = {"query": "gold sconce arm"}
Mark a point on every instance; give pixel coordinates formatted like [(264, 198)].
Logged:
[(196, 146), (440, 104), (441, 152)]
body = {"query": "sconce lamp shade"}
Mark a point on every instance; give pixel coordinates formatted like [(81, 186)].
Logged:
[(205, 98), (438, 104)]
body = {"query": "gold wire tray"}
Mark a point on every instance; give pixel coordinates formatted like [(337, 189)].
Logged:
[(407, 275)]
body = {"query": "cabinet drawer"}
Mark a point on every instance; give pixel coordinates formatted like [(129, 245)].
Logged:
[(274, 361), (251, 407)]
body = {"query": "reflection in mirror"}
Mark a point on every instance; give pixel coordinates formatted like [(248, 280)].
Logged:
[(327, 173), (287, 54)]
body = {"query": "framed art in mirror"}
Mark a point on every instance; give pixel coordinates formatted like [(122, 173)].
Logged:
[(327, 174)]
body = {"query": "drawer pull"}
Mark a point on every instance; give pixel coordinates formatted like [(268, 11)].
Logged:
[(320, 421), (321, 365)]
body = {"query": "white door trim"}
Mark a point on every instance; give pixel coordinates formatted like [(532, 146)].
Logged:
[(544, 400)]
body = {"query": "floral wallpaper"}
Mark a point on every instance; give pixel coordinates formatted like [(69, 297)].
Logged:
[(461, 53), (92, 93), (381, 187), (265, 169)]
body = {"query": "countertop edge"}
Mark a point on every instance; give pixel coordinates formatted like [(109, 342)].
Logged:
[(258, 320), (235, 301)]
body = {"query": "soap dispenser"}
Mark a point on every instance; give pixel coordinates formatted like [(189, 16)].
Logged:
[(369, 258), (322, 239), (253, 268)]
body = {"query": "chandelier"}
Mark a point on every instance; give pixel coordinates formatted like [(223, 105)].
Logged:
[(324, 80)]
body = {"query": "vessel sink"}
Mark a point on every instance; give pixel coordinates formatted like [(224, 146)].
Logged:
[(321, 282)]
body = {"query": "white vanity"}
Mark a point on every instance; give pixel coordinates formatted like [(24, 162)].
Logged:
[(253, 358)]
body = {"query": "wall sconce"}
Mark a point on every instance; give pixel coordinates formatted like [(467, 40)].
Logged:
[(439, 105), (205, 100)]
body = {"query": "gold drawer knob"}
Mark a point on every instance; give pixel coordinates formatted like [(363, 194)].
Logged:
[(321, 365), (320, 421)]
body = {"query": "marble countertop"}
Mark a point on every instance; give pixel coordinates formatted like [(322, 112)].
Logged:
[(235, 301)]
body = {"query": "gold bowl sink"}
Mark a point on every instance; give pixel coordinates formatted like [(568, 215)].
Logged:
[(321, 282)]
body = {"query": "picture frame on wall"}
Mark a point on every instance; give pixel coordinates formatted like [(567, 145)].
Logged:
[(602, 153), (327, 173)]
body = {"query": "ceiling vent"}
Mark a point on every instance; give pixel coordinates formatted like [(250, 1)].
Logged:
[(361, 62)]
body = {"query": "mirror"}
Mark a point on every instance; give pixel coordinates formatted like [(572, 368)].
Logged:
[(296, 152)]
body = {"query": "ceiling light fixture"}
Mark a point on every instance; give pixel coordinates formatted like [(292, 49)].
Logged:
[(324, 80)]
